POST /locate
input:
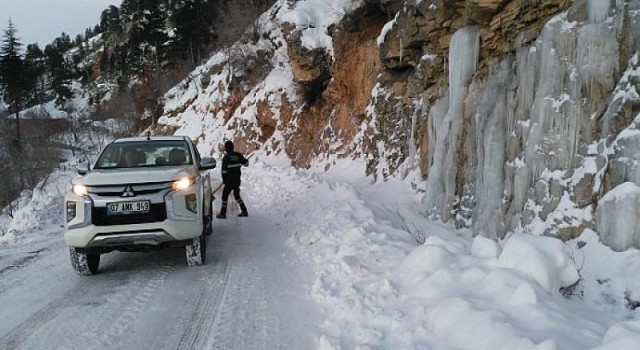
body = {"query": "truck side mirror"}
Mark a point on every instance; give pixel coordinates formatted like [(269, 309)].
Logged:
[(207, 163), (83, 167)]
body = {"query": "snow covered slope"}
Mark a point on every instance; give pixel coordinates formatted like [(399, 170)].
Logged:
[(517, 126)]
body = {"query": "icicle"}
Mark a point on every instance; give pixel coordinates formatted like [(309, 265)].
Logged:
[(440, 194), (401, 52), (598, 10), (491, 118), (412, 139), (463, 58)]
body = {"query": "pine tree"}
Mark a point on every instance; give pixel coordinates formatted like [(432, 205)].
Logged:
[(193, 23), (63, 42), (109, 20), (12, 74), (35, 69), (60, 73)]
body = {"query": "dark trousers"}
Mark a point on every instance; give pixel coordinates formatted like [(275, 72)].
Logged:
[(236, 194)]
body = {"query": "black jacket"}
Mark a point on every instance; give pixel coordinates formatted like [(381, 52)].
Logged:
[(231, 163)]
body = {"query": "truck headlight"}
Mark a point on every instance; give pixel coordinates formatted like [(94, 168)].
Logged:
[(182, 184), (80, 190), (71, 211)]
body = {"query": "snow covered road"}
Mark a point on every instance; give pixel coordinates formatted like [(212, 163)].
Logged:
[(251, 294)]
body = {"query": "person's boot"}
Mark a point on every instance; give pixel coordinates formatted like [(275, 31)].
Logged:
[(243, 210), (221, 216)]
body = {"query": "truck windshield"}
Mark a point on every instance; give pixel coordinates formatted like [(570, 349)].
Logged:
[(151, 153)]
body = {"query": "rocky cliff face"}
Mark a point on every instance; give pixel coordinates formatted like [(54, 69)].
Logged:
[(519, 115)]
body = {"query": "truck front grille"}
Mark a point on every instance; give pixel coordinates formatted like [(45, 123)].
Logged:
[(138, 189)]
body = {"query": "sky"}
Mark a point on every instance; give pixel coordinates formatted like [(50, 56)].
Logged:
[(42, 21)]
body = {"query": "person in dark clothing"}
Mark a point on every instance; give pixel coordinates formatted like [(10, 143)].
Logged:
[(231, 164)]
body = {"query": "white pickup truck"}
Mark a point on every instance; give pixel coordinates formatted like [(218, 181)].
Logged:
[(142, 194)]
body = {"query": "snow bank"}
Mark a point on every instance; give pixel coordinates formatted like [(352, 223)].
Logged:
[(622, 335), (543, 259), (609, 282), (485, 248), (381, 290), (36, 212)]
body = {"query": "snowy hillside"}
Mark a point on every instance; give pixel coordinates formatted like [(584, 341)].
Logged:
[(513, 133)]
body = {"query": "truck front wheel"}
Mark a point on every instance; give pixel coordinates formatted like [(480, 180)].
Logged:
[(196, 251), (84, 264)]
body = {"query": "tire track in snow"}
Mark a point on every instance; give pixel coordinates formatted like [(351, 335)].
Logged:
[(26, 329), (196, 320), (242, 322), (94, 293), (44, 253), (132, 304)]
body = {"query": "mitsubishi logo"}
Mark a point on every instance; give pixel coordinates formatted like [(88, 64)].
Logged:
[(128, 192)]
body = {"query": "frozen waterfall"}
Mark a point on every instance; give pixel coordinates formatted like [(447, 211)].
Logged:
[(516, 150), (490, 122), (440, 195)]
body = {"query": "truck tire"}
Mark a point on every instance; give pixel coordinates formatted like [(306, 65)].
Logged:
[(84, 264), (208, 228), (196, 251)]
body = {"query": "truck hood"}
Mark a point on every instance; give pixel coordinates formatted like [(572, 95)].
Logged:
[(134, 176)]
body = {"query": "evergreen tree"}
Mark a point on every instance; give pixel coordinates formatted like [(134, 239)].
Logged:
[(88, 34), (193, 23), (60, 74), (63, 42), (35, 71), (12, 74), (109, 20), (148, 37)]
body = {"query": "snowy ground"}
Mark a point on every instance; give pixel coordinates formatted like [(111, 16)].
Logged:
[(327, 261)]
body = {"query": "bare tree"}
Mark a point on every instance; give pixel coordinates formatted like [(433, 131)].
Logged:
[(25, 165)]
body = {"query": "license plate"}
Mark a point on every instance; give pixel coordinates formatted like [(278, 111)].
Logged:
[(125, 208)]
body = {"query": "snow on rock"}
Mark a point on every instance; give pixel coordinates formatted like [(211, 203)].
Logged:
[(617, 217), (314, 17), (385, 30), (543, 259), (201, 105)]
